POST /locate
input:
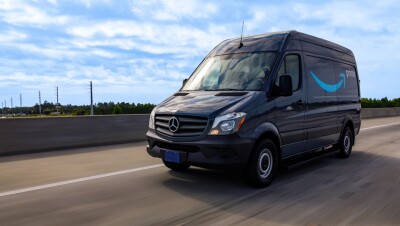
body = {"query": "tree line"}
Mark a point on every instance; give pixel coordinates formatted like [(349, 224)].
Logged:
[(108, 108), (380, 103), (49, 108)]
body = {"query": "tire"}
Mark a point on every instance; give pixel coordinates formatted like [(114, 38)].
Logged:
[(263, 165), (346, 143), (176, 166)]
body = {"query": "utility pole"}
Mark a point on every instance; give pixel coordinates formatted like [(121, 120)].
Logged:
[(12, 106), (57, 106), (2, 106), (91, 98), (5, 105), (40, 104), (20, 103)]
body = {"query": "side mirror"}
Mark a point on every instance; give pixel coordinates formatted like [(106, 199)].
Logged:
[(285, 85), (184, 81)]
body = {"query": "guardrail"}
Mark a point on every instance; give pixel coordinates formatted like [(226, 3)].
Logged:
[(22, 135), (379, 112)]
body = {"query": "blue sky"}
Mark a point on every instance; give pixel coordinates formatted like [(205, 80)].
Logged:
[(139, 51)]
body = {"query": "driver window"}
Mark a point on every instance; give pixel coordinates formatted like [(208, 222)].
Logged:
[(290, 66)]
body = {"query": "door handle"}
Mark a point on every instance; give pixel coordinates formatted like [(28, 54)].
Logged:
[(300, 101)]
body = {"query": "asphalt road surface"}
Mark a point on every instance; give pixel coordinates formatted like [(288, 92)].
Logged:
[(122, 185)]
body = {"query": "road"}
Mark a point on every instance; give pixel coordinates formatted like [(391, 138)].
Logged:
[(122, 185)]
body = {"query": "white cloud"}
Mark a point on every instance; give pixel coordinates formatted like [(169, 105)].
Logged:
[(90, 3), (54, 2), (11, 36), (103, 53), (149, 37), (59, 52), (173, 10), (346, 14), (22, 13), (137, 82), (163, 15), (364, 16)]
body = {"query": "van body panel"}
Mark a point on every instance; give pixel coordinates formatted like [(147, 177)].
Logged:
[(202, 103), (266, 127), (294, 45)]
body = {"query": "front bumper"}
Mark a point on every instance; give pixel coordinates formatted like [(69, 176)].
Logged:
[(211, 151)]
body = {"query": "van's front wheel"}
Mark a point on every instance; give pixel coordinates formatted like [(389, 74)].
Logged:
[(263, 164)]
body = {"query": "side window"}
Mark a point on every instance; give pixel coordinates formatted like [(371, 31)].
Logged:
[(290, 66)]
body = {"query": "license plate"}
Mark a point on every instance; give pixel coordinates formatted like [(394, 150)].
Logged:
[(172, 156)]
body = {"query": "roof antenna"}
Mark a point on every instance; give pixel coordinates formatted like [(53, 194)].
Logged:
[(241, 38)]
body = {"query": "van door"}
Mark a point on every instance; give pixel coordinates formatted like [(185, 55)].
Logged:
[(290, 110), (321, 116)]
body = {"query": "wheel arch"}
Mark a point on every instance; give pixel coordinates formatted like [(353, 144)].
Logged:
[(268, 131), (348, 122)]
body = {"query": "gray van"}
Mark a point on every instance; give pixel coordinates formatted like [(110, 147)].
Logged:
[(259, 103)]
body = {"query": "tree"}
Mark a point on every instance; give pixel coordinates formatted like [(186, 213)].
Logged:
[(117, 110)]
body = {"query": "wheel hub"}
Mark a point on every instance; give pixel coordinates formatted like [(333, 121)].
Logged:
[(347, 142), (265, 163)]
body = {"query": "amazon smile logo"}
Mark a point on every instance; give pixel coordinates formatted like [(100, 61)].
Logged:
[(328, 87)]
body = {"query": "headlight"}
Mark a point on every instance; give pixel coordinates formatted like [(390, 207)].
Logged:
[(151, 120), (227, 124)]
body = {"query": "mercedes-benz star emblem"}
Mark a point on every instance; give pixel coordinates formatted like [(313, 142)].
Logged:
[(173, 124)]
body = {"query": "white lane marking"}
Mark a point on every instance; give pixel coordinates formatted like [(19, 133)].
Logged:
[(2, 194), (374, 127)]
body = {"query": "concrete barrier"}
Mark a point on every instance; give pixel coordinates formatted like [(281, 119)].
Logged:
[(379, 112), (20, 135)]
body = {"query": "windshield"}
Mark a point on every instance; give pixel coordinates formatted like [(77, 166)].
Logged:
[(243, 71)]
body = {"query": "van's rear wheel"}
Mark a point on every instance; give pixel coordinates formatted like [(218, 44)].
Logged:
[(346, 143), (263, 165), (176, 166)]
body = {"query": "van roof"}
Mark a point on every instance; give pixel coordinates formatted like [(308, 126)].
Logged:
[(273, 41), (255, 43)]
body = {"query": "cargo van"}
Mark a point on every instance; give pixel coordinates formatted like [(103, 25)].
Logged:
[(258, 103)]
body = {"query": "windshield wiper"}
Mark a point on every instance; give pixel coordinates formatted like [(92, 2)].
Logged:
[(226, 89)]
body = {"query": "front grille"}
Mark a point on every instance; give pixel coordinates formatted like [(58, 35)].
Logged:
[(189, 126), (176, 147)]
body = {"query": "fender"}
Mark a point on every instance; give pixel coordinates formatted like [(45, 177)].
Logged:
[(266, 127), (347, 119)]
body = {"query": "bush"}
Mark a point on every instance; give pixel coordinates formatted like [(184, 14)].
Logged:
[(117, 110)]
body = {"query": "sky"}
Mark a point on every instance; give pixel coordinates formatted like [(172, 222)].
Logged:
[(140, 51)]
